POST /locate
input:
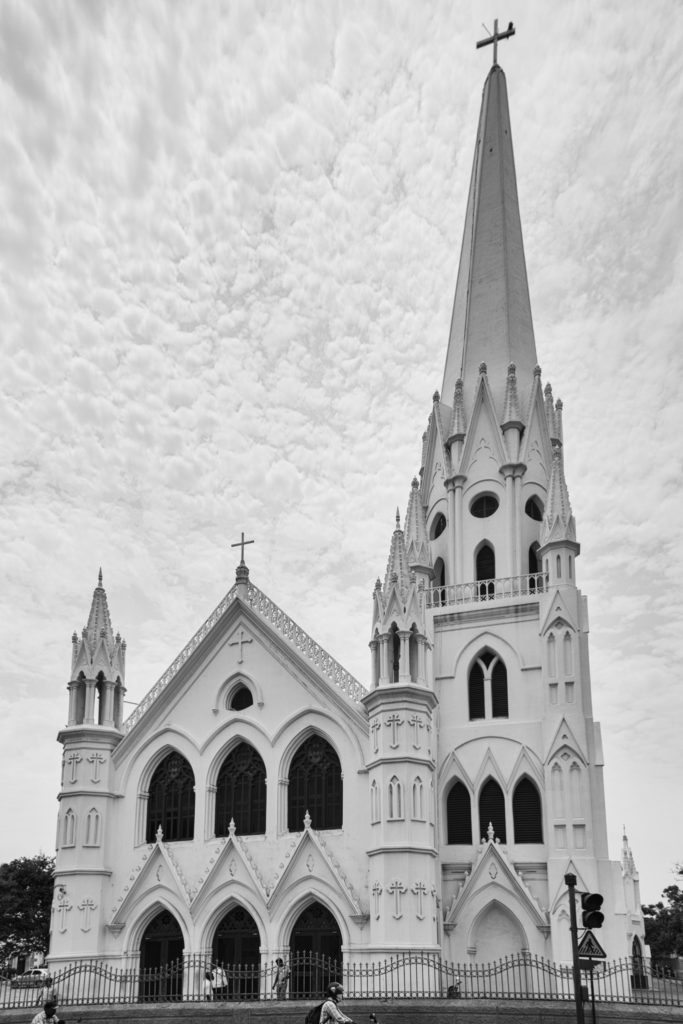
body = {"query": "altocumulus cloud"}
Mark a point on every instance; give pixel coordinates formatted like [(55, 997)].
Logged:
[(229, 246)]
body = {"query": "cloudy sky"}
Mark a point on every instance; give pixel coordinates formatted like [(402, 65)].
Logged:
[(228, 251)]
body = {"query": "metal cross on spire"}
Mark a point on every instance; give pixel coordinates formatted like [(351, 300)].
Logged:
[(510, 31), (241, 544)]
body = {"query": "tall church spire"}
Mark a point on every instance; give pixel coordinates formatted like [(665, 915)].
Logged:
[(491, 319)]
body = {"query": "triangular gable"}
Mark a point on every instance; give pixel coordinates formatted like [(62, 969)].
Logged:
[(157, 871), (489, 767), (559, 609), (536, 447), (308, 858), (453, 768), (437, 461), (565, 738), (484, 441), (493, 871), (561, 891), (230, 859), (528, 763), (307, 662)]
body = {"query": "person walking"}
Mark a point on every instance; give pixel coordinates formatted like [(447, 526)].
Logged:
[(281, 979)]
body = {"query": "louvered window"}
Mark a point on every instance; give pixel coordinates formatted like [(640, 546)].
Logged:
[(526, 811), (458, 815), (241, 792), (171, 800), (476, 692), (315, 785), (492, 809), (499, 691)]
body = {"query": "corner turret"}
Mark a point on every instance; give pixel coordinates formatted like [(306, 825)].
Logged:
[(98, 668)]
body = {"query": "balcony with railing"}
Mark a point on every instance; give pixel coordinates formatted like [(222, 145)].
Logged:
[(506, 588)]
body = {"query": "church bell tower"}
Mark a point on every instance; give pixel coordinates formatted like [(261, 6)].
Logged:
[(96, 691), (481, 623)]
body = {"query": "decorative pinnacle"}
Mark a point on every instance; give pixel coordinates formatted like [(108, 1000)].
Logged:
[(398, 519), (415, 483), (537, 370), (436, 396), (512, 369), (99, 577), (482, 368)]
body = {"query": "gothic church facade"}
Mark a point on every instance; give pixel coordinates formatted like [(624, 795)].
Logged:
[(261, 802)]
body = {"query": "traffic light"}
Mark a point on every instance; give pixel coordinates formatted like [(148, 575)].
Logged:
[(591, 915)]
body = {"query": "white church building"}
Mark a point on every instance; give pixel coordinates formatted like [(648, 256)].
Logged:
[(261, 802)]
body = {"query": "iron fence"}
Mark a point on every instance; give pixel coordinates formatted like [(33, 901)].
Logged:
[(198, 978)]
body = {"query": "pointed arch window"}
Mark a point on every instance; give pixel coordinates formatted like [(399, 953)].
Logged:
[(93, 824), (375, 808), (499, 690), (534, 566), (488, 673), (69, 834), (526, 813), (440, 582), (413, 653), (395, 798), (438, 526), (552, 656), (394, 652), (418, 800), (315, 785), (492, 809), (241, 792), (568, 654), (241, 698), (557, 789), (485, 567), (575, 790), (486, 563), (171, 800), (475, 692), (458, 815)]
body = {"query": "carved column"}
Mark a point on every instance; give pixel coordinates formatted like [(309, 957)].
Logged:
[(404, 656), (89, 717)]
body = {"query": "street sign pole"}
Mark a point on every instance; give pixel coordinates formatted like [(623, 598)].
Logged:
[(570, 882), (592, 965)]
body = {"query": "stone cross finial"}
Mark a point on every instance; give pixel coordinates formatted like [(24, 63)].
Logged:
[(490, 832), (307, 820), (160, 834)]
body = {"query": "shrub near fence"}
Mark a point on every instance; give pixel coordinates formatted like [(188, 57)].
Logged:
[(409, 976)]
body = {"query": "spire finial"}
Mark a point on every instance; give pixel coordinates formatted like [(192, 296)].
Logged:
[(398, 519), (99, 577), (494, 37), (242, 543)]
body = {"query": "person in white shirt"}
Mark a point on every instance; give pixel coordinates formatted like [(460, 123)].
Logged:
[(48, 1015)]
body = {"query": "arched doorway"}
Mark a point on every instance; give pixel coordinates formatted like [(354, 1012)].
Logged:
[(316, 955), (496, 934), (236, 948), (161, 959)]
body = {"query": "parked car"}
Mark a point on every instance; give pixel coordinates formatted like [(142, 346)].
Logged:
[(30, 979)]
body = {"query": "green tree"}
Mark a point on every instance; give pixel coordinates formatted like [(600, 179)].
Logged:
[(25, 902), (664, 923)]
